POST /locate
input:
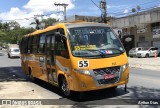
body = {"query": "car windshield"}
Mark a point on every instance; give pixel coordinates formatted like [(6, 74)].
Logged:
[(94, 41), (15, 50), (133, 49), (145, 48)]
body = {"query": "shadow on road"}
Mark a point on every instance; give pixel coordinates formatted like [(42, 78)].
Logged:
[(12, 74), (87, 96), (144, 93), (106, 96), (98, 97), (132, 97), (48, 86)]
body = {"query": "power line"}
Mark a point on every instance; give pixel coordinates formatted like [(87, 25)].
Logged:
[(117, 11), (96, 5), (28, 18), (142, 10), (103, 6)]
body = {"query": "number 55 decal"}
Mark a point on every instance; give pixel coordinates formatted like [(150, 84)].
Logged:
[(83, 63)]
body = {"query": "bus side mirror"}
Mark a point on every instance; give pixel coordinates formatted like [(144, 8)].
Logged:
[(57, 33)]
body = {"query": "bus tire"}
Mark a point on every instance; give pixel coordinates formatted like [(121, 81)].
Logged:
[(63, 84), (31, 78)]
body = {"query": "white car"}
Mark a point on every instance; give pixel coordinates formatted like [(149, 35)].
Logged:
[(148, 52), (13, 52), (133, 51)]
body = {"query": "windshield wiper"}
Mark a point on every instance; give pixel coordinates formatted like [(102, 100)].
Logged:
[(115, 49), (99, 51)]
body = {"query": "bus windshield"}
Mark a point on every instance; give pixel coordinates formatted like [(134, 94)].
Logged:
[(94, 41)]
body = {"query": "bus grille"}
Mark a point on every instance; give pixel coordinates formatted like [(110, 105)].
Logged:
[(100, 73), (109, 81)]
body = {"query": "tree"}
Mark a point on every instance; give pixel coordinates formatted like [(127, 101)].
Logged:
[(2, 35), (14, 25), (9, 26), (133, 10), (1, 25), (37, 23), (138, 8), (48, 22), (5, 27), (11, 32)]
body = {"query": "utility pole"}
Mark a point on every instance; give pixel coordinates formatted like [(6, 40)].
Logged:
[(103, 6), (64, 6)]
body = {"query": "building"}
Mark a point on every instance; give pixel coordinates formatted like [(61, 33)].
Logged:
[(141, 29), (84, 18)]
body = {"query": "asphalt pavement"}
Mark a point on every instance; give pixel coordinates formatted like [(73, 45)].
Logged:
[(152, 63), (143, 84)]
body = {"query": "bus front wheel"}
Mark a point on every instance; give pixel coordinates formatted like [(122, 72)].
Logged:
[(65, 87)]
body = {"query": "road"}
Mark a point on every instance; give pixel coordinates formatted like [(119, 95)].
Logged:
[(143, 84)]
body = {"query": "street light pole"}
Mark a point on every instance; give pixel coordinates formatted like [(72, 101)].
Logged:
[(103, 6), (65, 6)]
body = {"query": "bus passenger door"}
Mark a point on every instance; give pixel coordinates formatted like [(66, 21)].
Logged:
[(63, 63), (50, 59)]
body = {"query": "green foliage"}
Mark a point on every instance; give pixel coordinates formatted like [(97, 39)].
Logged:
[(48, 22), (37, 23), (133, 10), (12, 32), (138, 8)]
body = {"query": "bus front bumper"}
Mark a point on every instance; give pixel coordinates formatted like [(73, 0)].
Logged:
[(88, 83)]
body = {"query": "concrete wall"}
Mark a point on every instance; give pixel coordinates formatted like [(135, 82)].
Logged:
[(139, 25)]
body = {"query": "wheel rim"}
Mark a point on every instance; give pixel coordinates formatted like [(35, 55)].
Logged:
[(65, 87), (147, 55)]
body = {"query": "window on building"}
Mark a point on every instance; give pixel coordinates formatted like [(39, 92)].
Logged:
[(141, 38), (155, 25)]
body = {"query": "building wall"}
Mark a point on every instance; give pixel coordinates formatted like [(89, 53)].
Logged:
[(85, 18), (140, 25)]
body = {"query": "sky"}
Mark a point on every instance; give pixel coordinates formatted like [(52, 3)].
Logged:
[(23, 11)]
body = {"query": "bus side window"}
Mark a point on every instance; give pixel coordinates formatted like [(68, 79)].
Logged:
[(30, 45), (35, 44), (25, 47), (61, 47), (41, 45)]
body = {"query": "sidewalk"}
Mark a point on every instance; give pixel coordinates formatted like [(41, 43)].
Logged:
[(145, 63)]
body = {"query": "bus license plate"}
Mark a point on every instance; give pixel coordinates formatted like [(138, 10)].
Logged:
[(109, 76)]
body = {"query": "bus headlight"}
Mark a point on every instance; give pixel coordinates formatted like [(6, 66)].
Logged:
[(124, 67), (86, 72)]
